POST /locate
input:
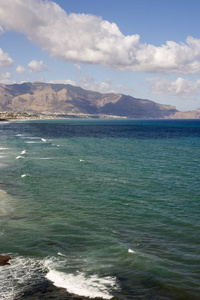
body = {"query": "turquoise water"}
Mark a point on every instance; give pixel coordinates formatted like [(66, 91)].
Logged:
[(101, 207)]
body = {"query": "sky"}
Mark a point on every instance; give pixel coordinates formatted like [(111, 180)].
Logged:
[(148, 49)]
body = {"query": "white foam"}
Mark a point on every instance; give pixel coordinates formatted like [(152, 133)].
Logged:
[(31, 142), (59, 253), (2, 192), (2, 148), (79, 284), (21, 272), (23, 152), (25, 175), (31, 137), (131, 251)]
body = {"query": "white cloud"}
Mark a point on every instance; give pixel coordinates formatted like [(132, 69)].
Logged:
[(90, 83), (78, 67), (5, 59), (5, 75), (89, 39), (126, 88), (5, 78), (37, 66), (179, 87), (105, 86), (64, 81), (1, 30), (20, 69)]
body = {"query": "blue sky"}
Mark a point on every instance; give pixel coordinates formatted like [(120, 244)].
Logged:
[(148, 49)]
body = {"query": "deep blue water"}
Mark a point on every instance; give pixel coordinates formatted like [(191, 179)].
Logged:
[(101, 207)]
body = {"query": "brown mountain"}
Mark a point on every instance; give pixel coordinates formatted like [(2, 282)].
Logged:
[(67, 99)]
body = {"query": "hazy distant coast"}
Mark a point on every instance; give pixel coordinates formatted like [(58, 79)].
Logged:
[(14, 116), (10, 116)]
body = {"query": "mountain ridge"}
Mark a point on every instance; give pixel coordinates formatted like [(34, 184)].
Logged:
[(66, 99)]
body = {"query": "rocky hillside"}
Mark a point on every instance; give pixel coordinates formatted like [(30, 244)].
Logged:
[(67, 99)]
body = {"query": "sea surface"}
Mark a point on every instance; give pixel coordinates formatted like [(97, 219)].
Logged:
[(101, 208)]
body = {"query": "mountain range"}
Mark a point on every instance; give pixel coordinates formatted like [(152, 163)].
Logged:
[(65, 99)]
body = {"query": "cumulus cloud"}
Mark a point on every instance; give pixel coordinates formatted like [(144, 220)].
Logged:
[(20, 69), (90, 83), (37, 66), (5, 59), (5, 75), (179, 87), (105, 86), (64, 81), (5, 78), (89, 39)]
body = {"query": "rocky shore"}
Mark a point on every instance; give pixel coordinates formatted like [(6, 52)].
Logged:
[(4, 260), (46, 290)]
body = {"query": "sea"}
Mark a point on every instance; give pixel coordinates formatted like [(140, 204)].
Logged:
[(106, 208)]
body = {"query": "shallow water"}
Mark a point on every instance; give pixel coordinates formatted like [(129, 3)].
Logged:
[(101, 207)]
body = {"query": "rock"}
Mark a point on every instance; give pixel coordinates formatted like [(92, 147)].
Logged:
[(46, 290), (4, 260)]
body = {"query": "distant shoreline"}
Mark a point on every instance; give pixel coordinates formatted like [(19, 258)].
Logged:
[(23, 116)]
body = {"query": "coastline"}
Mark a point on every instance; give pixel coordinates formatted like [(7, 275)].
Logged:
[(46, 290), (23, 116)]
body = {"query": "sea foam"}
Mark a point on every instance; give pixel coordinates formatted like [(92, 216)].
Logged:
[(23, 152), (79, 284), (131, 251), (25, 175), (21, 273)]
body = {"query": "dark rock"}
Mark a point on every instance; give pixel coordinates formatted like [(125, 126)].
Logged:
[(4, 260), (46, 290)]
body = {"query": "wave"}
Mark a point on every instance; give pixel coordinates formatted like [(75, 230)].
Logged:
[(44, 140), (80, 284), (32, 142), (24, 272), (30, 137), (23, 152), (131, 251), (21, 273), (92, 286), (19, 157), (25, 175)]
